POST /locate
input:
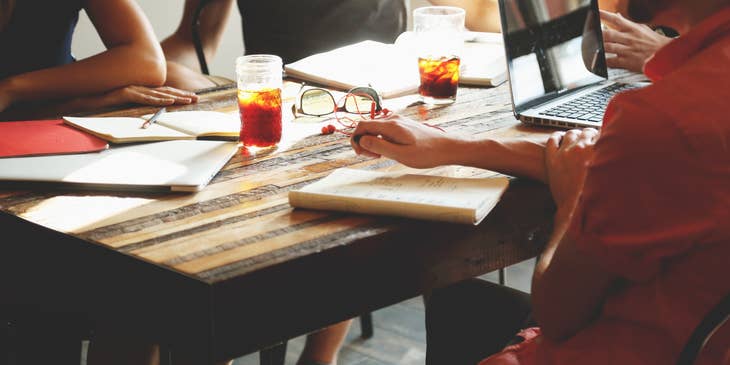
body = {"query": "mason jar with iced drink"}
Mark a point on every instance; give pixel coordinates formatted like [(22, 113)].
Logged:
[(259, 99)]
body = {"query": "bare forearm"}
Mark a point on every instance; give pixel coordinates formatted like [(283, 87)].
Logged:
[(115, 68), (419, 145), (133, 57), (512, 156)]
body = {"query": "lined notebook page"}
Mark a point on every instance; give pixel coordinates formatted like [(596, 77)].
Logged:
[(122, 129), (201, 122)]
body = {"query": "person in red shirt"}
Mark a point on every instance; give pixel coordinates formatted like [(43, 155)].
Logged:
[(639, 252)]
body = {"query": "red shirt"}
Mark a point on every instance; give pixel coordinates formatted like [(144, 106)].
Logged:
[(655, 210)]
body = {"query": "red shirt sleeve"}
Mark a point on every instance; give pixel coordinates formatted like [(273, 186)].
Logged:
[(646, 197)]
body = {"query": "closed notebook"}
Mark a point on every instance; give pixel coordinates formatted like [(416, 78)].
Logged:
[(169, 126), (45, 137), (482, 57), (438, 198), (392, 69), (386, 68), (185, 166)]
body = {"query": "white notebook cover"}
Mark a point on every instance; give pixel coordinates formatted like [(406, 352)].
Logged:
[(182, 165)]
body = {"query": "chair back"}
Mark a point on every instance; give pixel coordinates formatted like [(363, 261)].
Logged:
[(714, 319), (197, 42)]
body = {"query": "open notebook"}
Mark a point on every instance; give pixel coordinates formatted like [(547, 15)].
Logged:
[(160, 166), (439, 198), (392, 69), (170, 126)]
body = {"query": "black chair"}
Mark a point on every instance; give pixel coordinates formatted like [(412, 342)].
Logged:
[(713, 320), (196, 37)]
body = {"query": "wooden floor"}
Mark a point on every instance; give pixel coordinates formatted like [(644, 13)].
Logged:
[(400, 334)]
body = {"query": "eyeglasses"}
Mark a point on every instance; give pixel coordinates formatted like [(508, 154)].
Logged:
[(318, 102)]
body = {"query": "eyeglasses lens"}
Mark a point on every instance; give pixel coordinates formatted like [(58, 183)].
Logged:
[(317, 102), (362, 100)]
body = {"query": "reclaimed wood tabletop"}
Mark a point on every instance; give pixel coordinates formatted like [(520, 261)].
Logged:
[(234, 268)]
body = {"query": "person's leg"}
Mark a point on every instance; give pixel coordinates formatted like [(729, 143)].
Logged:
[(471, 320), (323, 346)]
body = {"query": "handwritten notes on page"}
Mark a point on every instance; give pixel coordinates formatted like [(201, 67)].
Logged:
[(458, 200)]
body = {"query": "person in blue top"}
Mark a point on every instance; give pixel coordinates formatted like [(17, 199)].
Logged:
[(37, 65), (38, 72)]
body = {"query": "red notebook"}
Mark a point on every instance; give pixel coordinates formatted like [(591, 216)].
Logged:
[(45, 137)]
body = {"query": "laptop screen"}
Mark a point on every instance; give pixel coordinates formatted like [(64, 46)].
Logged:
[(552, 46)]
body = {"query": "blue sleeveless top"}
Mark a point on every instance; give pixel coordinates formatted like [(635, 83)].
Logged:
[(38, 35), (294, 29)]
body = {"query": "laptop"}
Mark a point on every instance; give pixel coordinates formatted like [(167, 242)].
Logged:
[(181, 165), (556, 63)]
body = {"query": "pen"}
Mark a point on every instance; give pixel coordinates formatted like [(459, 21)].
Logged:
[(153, 119)]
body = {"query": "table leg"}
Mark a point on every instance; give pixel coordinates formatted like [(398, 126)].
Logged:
[(366, 325), (5, 342), (275, 355)]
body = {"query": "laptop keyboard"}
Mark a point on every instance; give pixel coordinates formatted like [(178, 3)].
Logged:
[(589, 107)]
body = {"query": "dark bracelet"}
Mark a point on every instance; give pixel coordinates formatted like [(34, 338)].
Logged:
[(665, 31)]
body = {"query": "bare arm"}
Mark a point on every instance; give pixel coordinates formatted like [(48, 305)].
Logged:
[(481, 15), (417, 145), (133, 57)]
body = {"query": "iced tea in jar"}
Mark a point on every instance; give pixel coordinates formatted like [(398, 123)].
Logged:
[(439, 78), (259, 99), (438, 31)]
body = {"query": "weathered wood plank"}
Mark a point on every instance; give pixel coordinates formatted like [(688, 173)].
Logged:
[(290, 236)]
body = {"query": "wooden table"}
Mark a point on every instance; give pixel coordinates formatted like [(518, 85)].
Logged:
[(234, 268)]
